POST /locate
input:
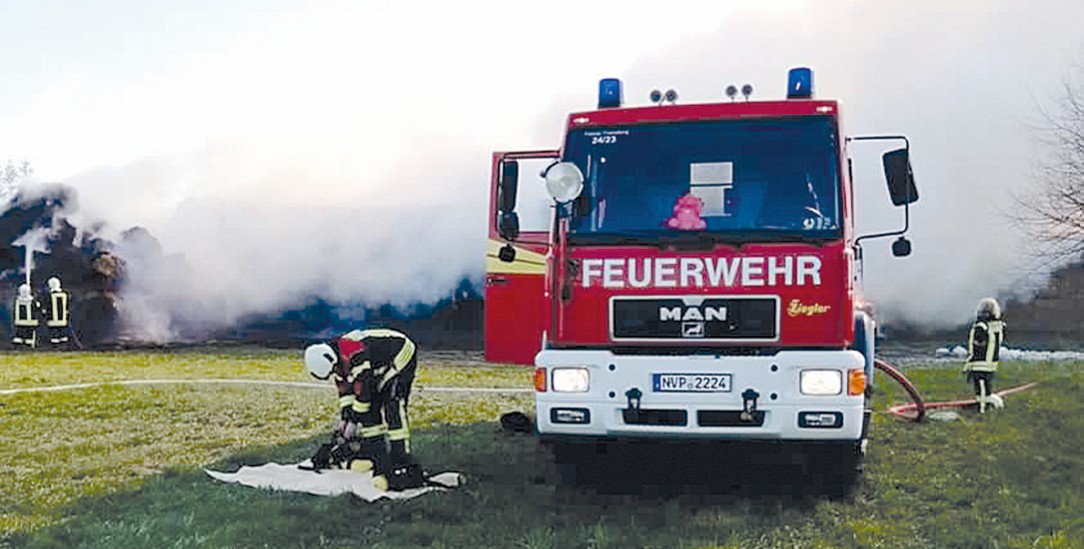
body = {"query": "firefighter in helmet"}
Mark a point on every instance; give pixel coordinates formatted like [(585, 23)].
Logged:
[(373, 371), (57, 311), (983, 349), (24, 318)]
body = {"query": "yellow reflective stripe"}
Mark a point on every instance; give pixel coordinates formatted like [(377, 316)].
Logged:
[(995, 330), (361, 407), (346, 400), (383, 332), (404, 355), (373, 431), (360, 368), (58, 316), (399, 434), (24, 315), (526, 262), (353, 335), (392, 372)]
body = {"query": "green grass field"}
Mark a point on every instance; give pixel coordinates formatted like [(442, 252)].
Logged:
[(120, 466)]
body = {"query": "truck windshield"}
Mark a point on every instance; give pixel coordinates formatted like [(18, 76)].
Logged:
[(759, 178)]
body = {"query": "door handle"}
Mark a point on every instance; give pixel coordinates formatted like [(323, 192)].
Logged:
[(496, 280)]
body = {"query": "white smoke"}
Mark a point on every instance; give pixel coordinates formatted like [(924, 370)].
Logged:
[(406, 237), (352, 162)]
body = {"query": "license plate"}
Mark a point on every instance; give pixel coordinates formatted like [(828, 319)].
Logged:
[(691, 383)]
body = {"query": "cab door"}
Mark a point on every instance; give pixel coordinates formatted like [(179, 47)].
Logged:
[(517, 309)]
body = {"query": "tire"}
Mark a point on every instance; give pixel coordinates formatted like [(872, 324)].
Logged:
[(568, 463), (835, 470)]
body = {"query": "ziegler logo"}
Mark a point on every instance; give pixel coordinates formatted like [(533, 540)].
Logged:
[(797, 308)]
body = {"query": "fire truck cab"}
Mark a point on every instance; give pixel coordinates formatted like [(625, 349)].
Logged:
[(700, 278)]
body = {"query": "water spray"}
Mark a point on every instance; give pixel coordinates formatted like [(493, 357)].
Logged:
[(34, 240)]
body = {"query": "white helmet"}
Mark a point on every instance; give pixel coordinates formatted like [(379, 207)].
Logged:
[(54, 284), (319, 359), (24, 291), (989, 309)]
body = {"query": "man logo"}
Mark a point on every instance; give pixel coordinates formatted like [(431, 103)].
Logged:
[(692, 329), (691, 313)]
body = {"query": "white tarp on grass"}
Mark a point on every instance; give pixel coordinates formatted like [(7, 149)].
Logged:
[(332, 482), (1024, 355)]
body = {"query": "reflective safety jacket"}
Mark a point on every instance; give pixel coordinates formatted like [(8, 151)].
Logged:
[(57, 309), (24, 312), (984, 345), (369, 359)]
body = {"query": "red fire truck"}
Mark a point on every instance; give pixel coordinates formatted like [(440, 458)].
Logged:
[(700, 277)]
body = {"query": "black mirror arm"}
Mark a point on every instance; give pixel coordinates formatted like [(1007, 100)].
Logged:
[(906, 142), (906, 206), (906, 225)]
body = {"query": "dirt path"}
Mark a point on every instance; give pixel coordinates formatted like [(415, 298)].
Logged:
[(295, 384)]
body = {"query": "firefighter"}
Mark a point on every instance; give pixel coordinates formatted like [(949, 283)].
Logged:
[(57, 311), (25, 311), (983, 349), (373, 371)]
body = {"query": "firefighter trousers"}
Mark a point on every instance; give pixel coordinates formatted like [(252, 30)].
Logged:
[(25, 335), (984, 377), (389, 410)]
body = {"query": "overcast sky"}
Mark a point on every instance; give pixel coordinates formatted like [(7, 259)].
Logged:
[(166, 114)]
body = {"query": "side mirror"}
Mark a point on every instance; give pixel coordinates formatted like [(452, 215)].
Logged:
[(901, 182), (508, 185), (901, 247), (508, 225)]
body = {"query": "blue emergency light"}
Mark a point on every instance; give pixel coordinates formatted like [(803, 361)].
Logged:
[(609, 93), (800, 83)]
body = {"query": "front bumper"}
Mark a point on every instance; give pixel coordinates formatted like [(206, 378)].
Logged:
[(781, 411)]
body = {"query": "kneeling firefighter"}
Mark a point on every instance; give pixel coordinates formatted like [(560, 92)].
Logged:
[(373, 371), (983, 349)]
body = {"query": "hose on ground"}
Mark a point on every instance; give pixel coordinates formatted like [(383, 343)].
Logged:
[(918, 405), (917, 408)]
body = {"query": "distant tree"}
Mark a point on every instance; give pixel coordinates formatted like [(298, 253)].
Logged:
[(1052, 213)]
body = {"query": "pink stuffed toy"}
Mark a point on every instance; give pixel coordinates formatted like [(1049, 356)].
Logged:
[(687, 214)]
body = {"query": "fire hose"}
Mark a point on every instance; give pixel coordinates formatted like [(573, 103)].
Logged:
[(917, 408)]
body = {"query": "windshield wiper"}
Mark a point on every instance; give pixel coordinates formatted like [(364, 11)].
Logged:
[(756, 236), (694, 241)]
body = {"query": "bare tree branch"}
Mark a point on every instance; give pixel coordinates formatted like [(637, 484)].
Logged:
[(1052, 214)]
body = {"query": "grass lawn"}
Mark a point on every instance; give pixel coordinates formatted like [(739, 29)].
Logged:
[(121, 467)]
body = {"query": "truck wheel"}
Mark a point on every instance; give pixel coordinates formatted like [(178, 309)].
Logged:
[(567, 461), (835, 469)]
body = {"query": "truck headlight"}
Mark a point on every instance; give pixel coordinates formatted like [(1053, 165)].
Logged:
[(571, 380), (821, 382)]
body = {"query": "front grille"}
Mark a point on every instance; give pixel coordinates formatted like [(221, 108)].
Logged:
[(668, 418), (687, 350), (727, 418), (694, 319)]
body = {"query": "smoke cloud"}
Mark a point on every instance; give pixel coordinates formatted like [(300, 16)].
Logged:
[(372, 188)]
